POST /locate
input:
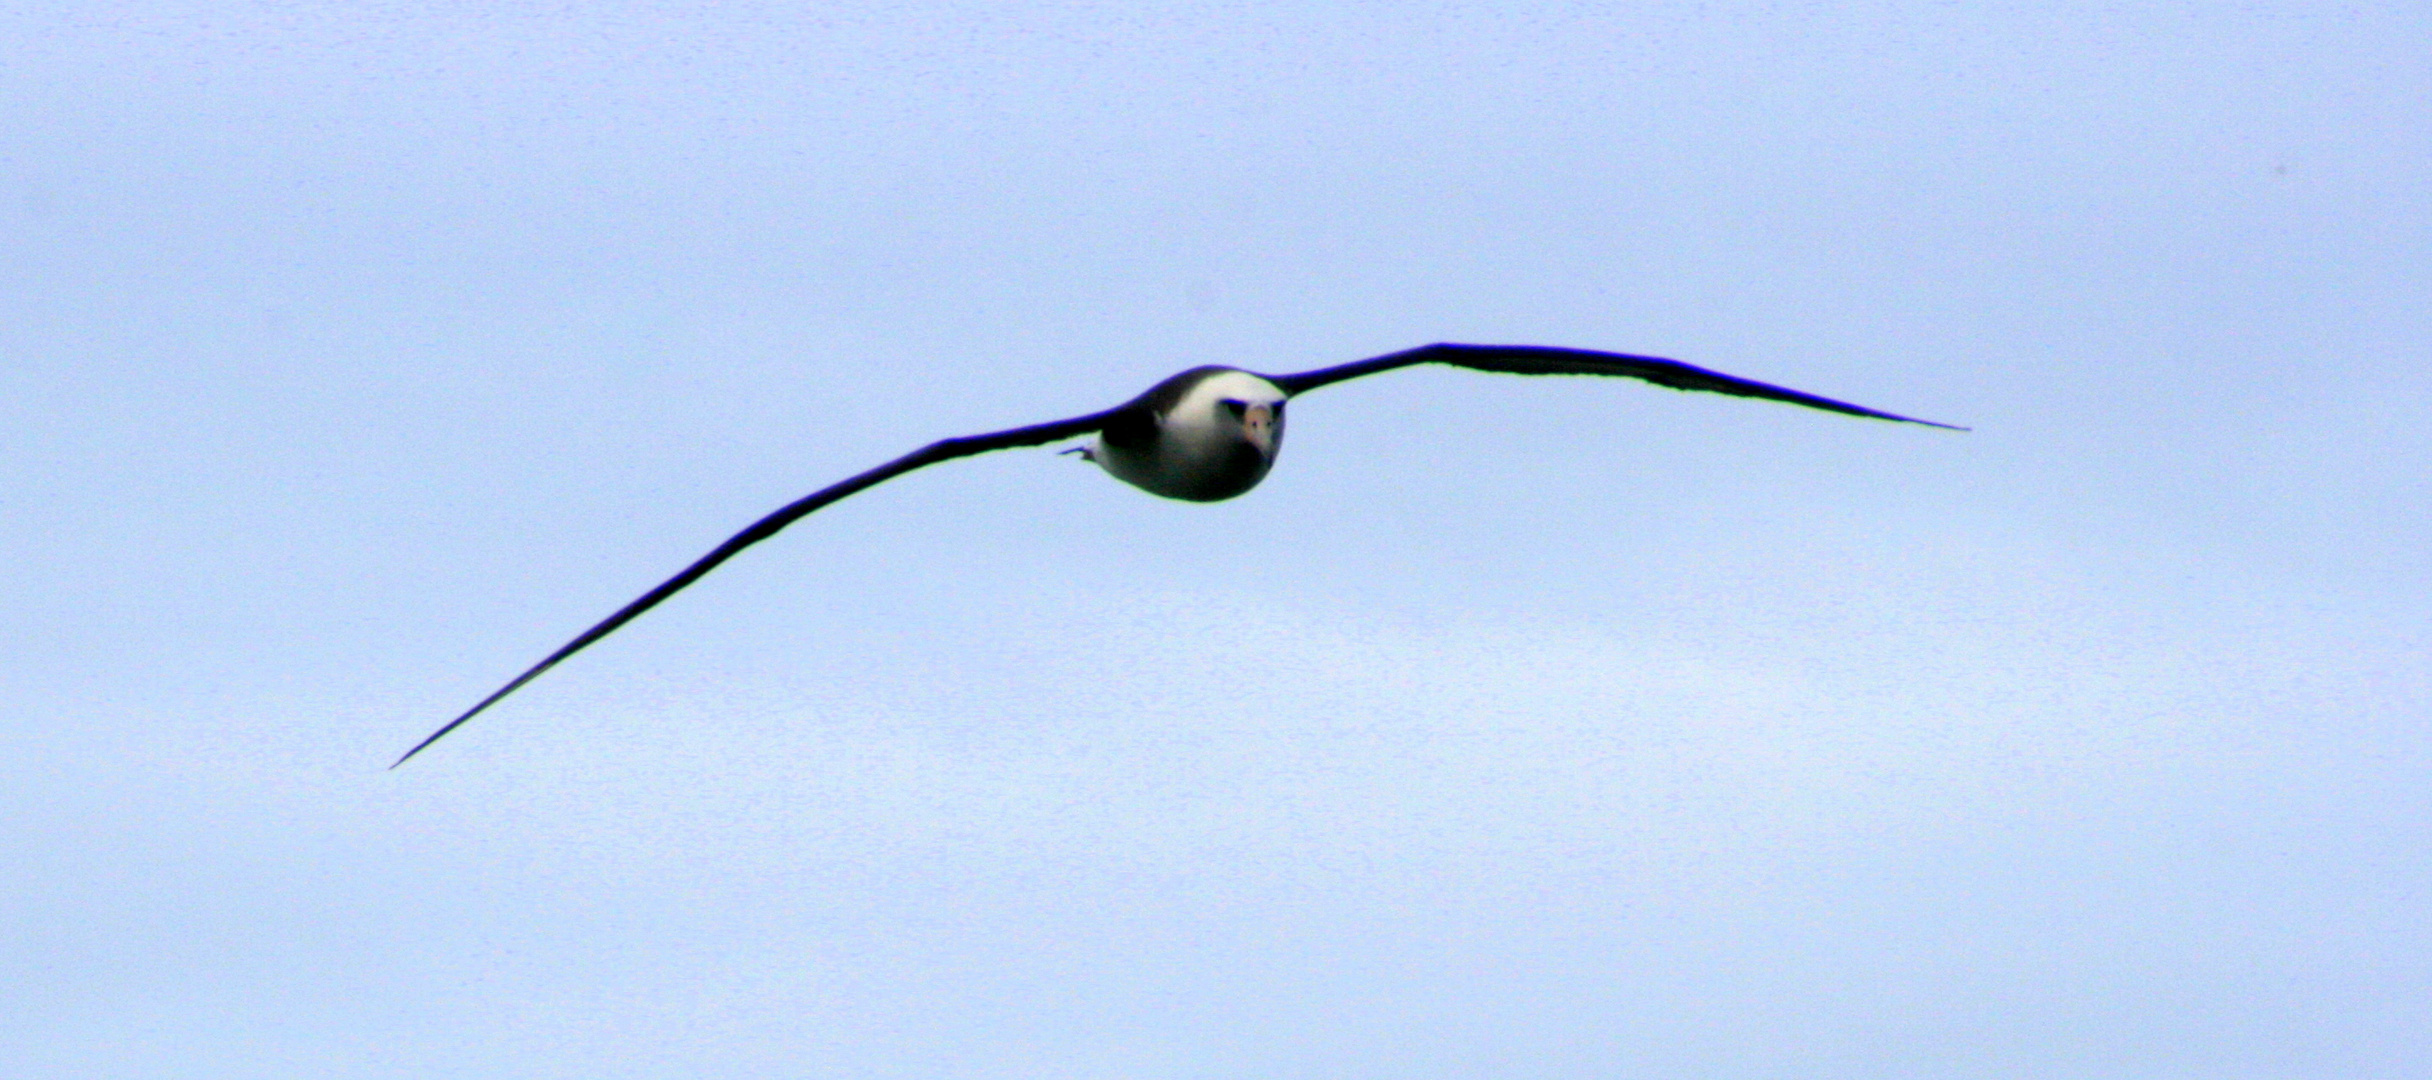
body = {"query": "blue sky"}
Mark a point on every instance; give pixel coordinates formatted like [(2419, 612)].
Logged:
[(354, 356)]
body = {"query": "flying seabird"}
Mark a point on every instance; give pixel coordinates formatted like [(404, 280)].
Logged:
[(1204, 435)]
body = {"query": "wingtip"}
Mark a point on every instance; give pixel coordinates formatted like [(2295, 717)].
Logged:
[(435, 736), (1914, 420)]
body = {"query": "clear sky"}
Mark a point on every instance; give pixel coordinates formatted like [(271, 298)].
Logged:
[(353, 356)]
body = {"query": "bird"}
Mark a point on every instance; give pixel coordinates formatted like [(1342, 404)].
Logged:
[(1202, 435)]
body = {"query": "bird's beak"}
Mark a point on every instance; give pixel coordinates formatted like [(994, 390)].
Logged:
[(1259, 424)]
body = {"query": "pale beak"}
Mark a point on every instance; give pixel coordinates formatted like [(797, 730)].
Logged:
[(1258, 423)]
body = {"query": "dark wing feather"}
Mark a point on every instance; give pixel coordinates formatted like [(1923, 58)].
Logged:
[(1546, 360), (942, 450)]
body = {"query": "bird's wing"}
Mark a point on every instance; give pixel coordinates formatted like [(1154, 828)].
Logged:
[(1546, 360), (941, 450)]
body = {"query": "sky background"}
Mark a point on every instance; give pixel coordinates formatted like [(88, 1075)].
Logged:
[(354, 356)]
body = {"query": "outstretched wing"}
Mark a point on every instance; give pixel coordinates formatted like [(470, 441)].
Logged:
[(1546, 360), (941, 450)]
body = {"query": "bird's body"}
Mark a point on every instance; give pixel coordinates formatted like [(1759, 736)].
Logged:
[(1204, 435)]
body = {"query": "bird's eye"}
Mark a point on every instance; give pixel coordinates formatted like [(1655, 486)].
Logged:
[(1238, 408)]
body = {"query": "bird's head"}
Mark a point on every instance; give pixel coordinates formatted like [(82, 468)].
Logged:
[(1259, 421), (1232, 415)]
